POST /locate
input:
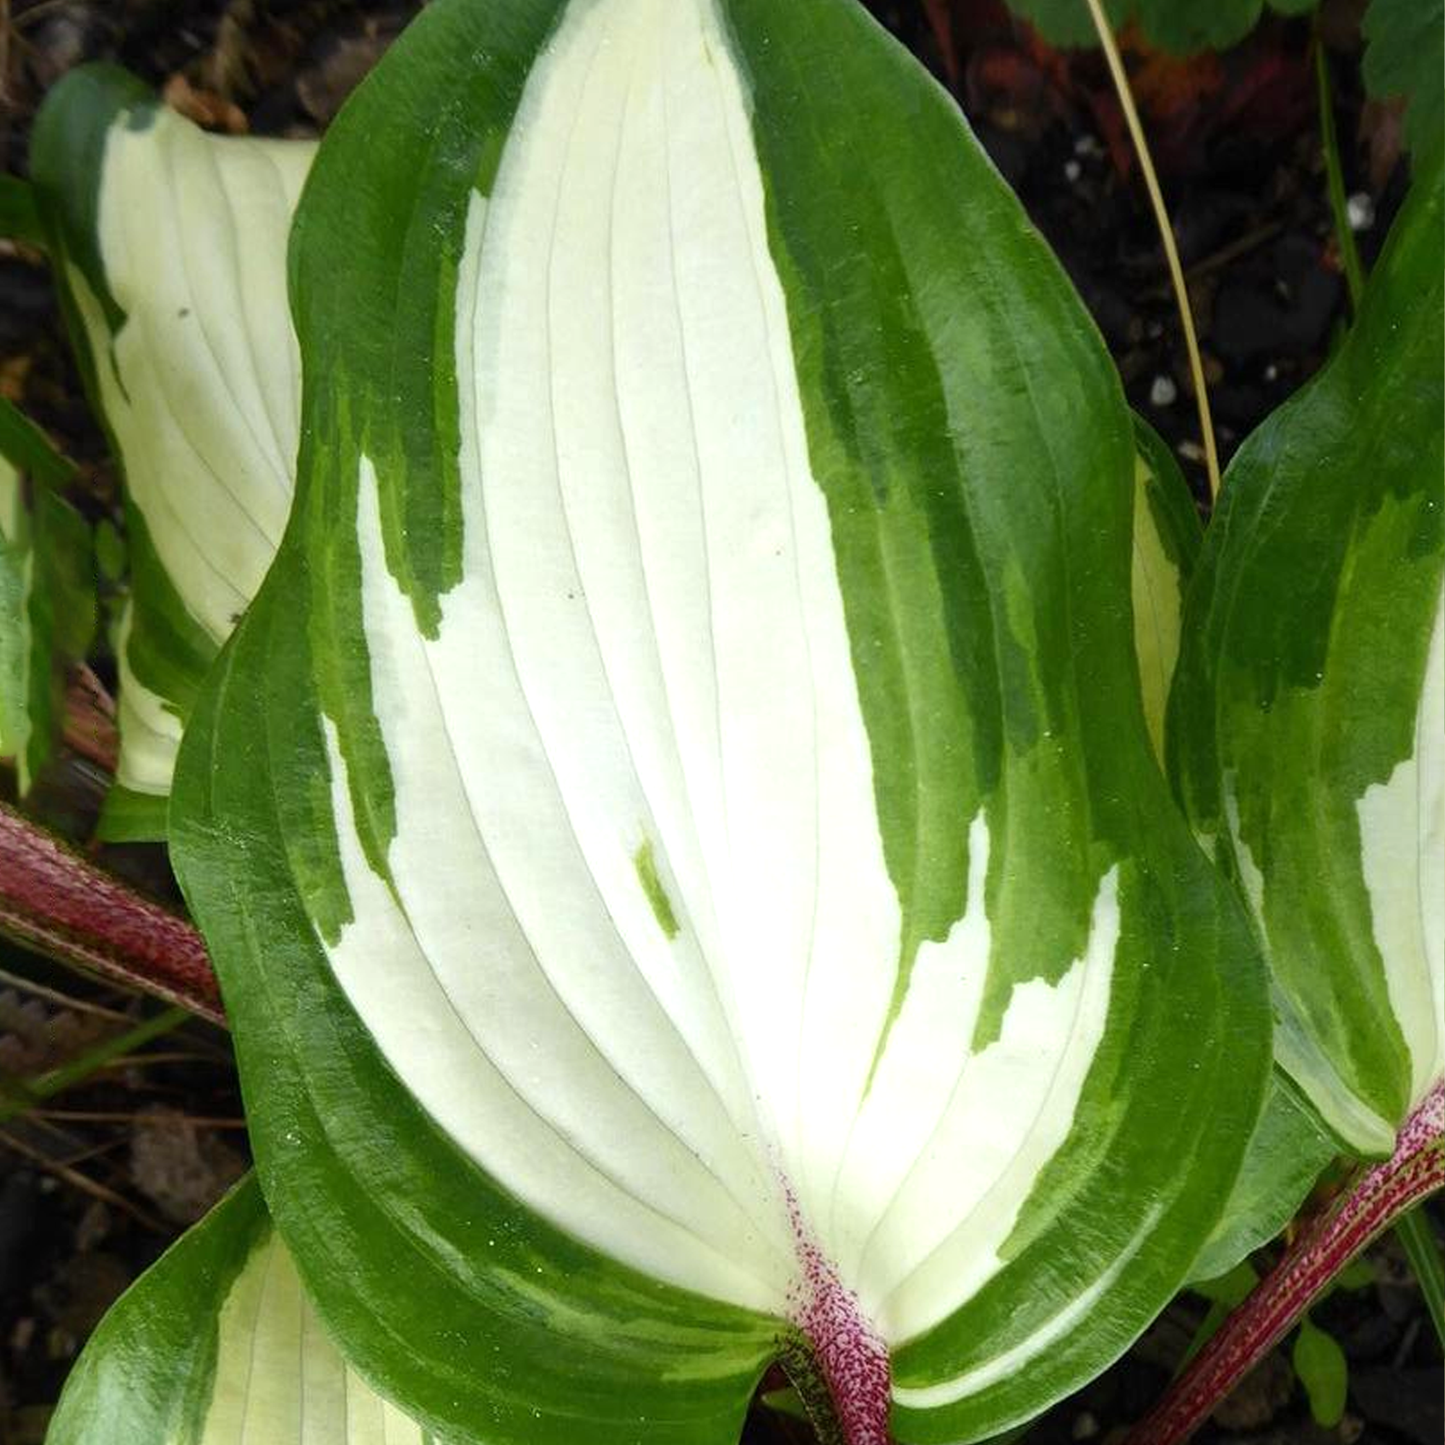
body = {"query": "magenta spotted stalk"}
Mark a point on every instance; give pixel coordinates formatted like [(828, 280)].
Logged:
[(1377, 1198), (56, 902), (842, 1373)]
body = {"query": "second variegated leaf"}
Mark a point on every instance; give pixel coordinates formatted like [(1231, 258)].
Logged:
[(1307, 726), (171, 246)]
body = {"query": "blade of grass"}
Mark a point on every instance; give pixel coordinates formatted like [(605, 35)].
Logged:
[(1335, 178), (67, 1076), (107, 1116), (1166, 238), (1422, 1249)]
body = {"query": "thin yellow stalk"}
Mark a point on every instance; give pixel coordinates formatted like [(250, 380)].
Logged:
[(1166, 235)]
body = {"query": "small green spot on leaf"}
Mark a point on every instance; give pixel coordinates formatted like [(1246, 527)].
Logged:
[(646, 865)]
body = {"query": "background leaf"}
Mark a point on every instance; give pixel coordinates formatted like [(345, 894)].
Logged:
[(1305, 724), (1405, 56), (19, 219), (218, 1342), (1167, 538), (171, 245), (1182, 26), (29, 450), (1320, 1364)]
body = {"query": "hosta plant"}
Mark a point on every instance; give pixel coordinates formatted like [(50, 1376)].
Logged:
[(680, 825), (655, 617)]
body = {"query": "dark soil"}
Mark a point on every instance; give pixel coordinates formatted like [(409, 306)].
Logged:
[(92, 1189)]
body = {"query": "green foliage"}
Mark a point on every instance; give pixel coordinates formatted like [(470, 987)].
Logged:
[(1287, 1153), (1167, 538), (29, 450), (1182, 26), (1418, 1237), (1320, 1364), (1405, 57), (19, 219)]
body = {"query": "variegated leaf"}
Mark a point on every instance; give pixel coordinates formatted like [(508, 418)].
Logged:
[(172, 247), (218, 1344), (678, 828), (1405, 60), (1307, 725), (1289, 1148)]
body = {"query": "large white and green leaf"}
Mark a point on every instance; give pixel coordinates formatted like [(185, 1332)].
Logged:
[(1307, 726), (217, 1343), (47, 593), (175, 156), (172, 247), (678, 828)]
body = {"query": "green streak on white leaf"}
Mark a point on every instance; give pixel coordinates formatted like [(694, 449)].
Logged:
[(645, 861)]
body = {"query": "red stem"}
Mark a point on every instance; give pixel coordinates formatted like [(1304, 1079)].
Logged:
[(1378, 1197), (53, 900)]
